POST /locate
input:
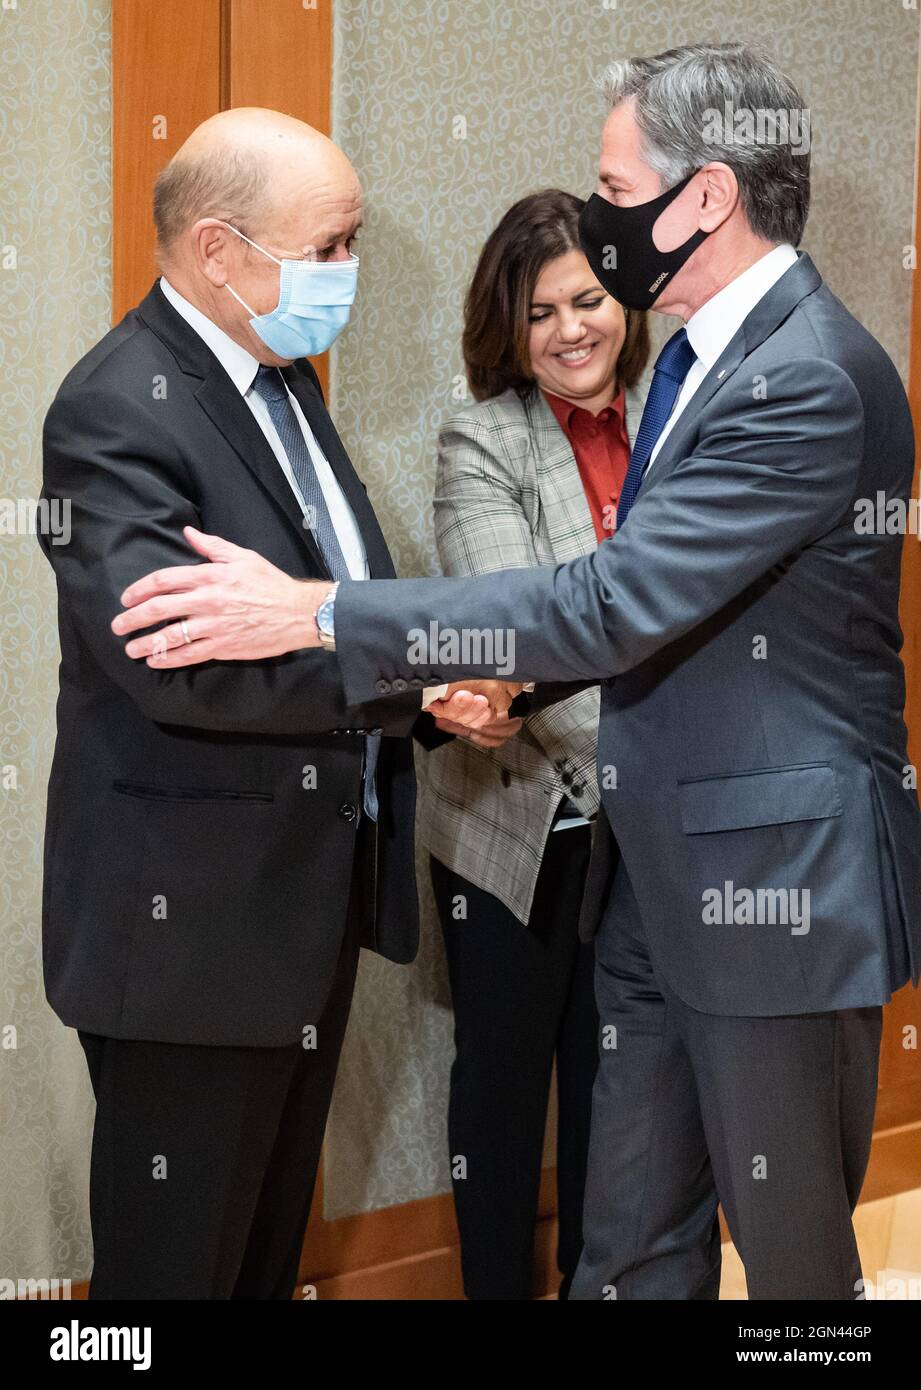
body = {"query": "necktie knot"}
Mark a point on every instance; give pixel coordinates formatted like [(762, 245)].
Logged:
[(269, 385), (677, 357)]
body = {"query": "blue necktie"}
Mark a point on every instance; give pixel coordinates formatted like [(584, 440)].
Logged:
[(672, 366), (271, 387)]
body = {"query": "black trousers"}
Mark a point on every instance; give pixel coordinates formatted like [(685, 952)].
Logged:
[(770, 1116), (522, 996), (204, 1158)]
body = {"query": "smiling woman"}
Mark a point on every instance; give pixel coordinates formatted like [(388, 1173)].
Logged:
[(535, 310), (529, 475)]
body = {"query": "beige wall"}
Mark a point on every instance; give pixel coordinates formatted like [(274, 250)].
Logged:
[(406, 72), (451, 109), (55, 213)]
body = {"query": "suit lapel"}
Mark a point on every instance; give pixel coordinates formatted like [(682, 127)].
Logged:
[(721, 371), (635, 400), (230, 414), (768, 314), (228, 411), (566, 513)]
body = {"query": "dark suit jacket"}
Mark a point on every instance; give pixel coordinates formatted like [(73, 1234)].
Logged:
[(202, 822), (748, 638)]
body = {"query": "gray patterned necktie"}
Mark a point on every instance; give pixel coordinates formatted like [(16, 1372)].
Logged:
[(271, 387), (273, 391)]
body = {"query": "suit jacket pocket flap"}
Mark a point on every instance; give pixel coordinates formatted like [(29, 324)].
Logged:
[(767, 796)]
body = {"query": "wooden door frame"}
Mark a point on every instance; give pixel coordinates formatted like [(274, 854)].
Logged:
[(177, 62)]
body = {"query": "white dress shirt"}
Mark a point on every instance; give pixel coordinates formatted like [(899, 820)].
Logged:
[(241, 367), (712, 328)]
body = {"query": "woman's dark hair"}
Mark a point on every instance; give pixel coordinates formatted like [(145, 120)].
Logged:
[(497, 308)]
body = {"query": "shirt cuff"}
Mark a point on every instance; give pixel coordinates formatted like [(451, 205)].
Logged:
[(434, 692)]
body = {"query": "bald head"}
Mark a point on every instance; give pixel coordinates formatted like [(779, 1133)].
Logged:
[(277, 181), (248, 167)]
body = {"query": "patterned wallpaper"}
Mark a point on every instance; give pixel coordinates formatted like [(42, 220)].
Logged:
[(450, 110), (54, 303)]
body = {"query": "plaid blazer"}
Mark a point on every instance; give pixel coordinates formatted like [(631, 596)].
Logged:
[(508, 495)]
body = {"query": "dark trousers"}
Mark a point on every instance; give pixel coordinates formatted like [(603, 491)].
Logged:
[(522, 996), (204, 1159), (770, 1116)]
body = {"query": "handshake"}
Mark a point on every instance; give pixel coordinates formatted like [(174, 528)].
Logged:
[(478, 710)]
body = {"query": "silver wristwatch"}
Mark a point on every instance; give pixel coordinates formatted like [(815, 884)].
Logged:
[(325, 621)]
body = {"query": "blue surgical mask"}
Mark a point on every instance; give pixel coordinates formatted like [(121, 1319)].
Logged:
[(314, 299)]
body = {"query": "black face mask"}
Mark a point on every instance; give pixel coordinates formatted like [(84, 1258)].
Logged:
[(640, 272)]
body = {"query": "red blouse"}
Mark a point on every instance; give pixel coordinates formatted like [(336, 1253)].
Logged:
[(602, 452)]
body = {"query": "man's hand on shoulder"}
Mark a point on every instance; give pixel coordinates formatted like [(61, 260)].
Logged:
[(239, 607)]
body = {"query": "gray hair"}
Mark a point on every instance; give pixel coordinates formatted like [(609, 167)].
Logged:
[(683, 99), (230, 185)]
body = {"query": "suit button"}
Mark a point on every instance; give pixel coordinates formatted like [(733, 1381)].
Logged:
[(347, 811), (506, 777), (376, 733), (382, 687), (399, 685), (416, 682), (578, 789), (567, 779)]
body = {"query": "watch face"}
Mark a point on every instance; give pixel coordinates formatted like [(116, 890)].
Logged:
[(325, 617)]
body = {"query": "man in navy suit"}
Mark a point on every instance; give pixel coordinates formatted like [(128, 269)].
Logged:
[(756, 882)]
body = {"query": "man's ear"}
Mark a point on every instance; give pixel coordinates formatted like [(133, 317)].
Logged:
[(721, 196), (210, 242)]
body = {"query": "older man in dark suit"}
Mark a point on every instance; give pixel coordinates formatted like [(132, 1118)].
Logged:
[(220, 840)]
